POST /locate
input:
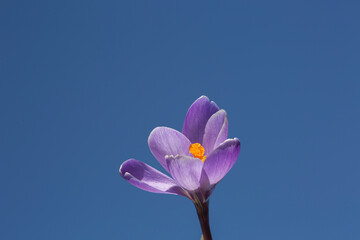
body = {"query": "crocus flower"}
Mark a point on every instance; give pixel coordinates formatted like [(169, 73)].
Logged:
[(197, 159)]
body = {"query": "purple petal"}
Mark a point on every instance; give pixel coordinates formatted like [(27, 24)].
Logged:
[(148, 178), (186, 171), (196, 118), (216, 131), (221, 160), (165, 141)]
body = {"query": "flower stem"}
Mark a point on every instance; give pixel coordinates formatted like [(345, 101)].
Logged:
[(202, 209)]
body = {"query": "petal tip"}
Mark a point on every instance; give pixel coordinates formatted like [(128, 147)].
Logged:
[(203, 97), (237, 141), (120, 170), (223, 111), (152, 132)]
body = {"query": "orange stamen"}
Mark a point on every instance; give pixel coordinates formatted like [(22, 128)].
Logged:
[(197, 151)]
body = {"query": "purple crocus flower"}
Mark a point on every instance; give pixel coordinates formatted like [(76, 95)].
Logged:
[(197, 159)]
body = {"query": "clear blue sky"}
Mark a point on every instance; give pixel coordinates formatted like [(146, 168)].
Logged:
[(82, 84)]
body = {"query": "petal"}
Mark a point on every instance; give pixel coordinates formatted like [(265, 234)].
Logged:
[(196, 118), (221, 160), (165, 141), (148, 178), (216, 131), (186, 171)]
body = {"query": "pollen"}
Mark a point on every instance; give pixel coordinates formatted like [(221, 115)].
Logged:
[(197, 151)]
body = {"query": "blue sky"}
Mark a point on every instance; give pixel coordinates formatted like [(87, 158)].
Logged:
[(83, 83)]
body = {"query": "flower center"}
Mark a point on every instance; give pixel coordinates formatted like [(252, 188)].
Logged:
[(197, 151)]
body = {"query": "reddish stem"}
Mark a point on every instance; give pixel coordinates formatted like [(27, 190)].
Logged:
[(202, 209)]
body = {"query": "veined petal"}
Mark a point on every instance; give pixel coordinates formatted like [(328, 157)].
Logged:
[(196, 118), (216, 131), (186, 171), (165, 141), (148, 178), (221, 160)]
